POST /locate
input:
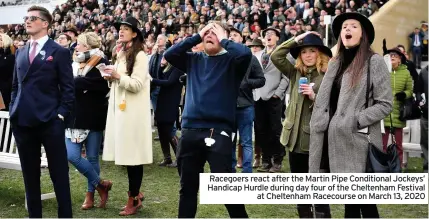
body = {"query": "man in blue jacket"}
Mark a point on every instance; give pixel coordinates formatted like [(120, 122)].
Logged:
[(42, 98), (213, 81)]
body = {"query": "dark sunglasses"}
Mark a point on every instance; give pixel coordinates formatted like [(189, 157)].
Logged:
[(394, 55), (33, 18)]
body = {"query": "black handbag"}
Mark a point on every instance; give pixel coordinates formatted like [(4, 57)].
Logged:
[(379, 161), (409, 110)]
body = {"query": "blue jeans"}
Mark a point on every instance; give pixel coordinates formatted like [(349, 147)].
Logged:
[(154, 97), (89, 167), (174, 130), (244, 122)]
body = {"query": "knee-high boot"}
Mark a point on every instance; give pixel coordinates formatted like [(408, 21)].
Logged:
[(258, 154), (304, 211), (240, 156)]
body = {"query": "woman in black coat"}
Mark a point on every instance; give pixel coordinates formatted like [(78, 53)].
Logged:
[(7, 63), (87, 122), (167, 108)]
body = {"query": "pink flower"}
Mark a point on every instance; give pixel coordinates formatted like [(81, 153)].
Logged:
[(50, 58)]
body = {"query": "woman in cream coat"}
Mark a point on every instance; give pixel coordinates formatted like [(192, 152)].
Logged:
[(128, 134)]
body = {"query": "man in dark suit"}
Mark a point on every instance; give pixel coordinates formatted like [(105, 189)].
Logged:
[(42, 97), (154, 67)]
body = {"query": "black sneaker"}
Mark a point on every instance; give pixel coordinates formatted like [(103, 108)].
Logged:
[(165, 162), (173, 165)]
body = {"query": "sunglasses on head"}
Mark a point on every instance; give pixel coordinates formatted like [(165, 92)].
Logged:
[(33, 18)]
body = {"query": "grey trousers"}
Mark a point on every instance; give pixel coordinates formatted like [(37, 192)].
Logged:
[(424, 142)]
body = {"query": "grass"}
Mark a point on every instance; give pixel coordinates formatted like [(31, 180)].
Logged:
[(161, 188)]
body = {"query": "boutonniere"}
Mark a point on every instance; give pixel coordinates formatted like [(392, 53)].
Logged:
[(43, 53), (50, 58)]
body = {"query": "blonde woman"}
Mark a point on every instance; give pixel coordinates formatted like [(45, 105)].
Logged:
[(87, 123), (312, 59), (128, 140), (7, 63)]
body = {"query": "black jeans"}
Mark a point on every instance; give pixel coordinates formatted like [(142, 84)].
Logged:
[(299, 164), (361, 211), (164, 132), (268, 128), (135, 178), (192, 155)]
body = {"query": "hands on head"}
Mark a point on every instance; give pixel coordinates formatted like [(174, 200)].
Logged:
[(216, 29)]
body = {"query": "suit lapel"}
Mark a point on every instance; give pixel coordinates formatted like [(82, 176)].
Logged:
[(41, 57), (24, 61), (26, 56)]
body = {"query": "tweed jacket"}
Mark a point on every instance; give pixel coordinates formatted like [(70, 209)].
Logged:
[(275, 82), (348, 147)]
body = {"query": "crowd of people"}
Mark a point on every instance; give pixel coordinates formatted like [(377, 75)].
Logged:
[(228, 66), (182, 18)]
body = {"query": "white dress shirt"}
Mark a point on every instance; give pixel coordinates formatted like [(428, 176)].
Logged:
[(416, 40), (40, 43)]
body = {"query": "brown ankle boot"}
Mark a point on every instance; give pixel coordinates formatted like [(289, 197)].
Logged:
[(131, 208), (140, 196), (103, 190), (257, 162), (240, 156), (89, 201)]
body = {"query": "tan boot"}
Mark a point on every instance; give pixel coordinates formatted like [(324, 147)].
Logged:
[(89, 201), (130, 208), (240, 156), (140, 196), (103, 190), (257, 162)]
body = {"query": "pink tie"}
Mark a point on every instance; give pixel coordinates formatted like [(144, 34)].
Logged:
[(33, 51)]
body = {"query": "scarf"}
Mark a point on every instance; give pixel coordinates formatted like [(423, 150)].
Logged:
[(84, 62)]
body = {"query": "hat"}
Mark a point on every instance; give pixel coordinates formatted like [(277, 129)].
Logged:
[(72, 29), (311, 40), (133, 23), (273, 29), (256, 42), (364, 21), (398, 51)]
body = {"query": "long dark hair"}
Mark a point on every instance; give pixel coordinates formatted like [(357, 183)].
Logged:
[(131, 53), (356, 68)]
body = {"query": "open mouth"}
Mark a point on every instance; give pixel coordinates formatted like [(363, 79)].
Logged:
[(348, 36), (209, 42), (269, 39)]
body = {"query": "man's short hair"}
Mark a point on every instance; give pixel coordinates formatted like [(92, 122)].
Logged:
[(44, 13), (224, 26)]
